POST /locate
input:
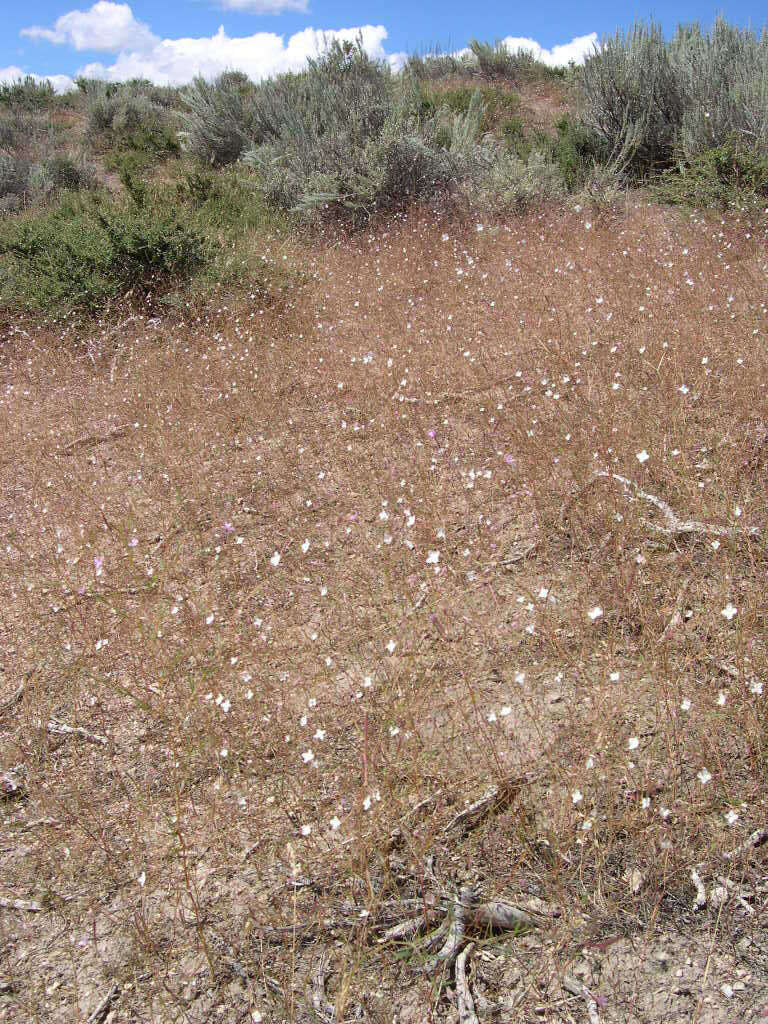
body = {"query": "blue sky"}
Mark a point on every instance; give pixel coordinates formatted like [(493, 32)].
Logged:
[(172, 41)]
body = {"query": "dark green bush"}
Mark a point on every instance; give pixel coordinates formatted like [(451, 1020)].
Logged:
[(348, 137), (82, 252), (576, 150), (67, 175), (721, 177), (497, 62), (632, 98)]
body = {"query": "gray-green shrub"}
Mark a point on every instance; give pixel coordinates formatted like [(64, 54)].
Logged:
[(347, 136), (656, 103), (126, 118), (219, 118)]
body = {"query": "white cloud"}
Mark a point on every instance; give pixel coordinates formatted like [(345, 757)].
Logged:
[(264, 6), (177, 61), (559, 56), (60, 83), (105, 26), (112, 28)]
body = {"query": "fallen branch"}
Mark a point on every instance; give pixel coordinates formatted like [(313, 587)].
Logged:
[(319, 1004), (100, 1013), (676, 527), (90, 440), (464, 1000), (756, 839), (30, 906), (496, 798), (13, 700), (55, 728), (456, 931)]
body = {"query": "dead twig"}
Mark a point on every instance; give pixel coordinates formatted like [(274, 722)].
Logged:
[(675, 527), (456, 931), (29, 906), (465, 1004), (757, 838), (100, 1013), (54, 728), (13, 700), (91, 440)]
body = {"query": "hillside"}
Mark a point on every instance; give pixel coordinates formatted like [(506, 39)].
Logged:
[(384, 635)]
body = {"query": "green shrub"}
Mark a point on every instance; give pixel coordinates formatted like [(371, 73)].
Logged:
[(23, 181), (576, 150), (511, 184), (83, 251), (500, 106), (27, 94), (725, 79), (123, 120), (495, 62), (437, 65), (219, 119), (721, 177)]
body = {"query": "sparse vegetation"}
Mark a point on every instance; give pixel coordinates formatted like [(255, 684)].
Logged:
[(384, 624)]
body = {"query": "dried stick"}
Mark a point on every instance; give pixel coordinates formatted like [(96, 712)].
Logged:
[(455, 939), (464, 1001), (756, 839), (100, 1013), (676, 527), (31, 906), (90, 440), (55, 728)]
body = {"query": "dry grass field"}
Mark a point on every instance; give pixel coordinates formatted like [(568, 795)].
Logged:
[(473, 515)]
